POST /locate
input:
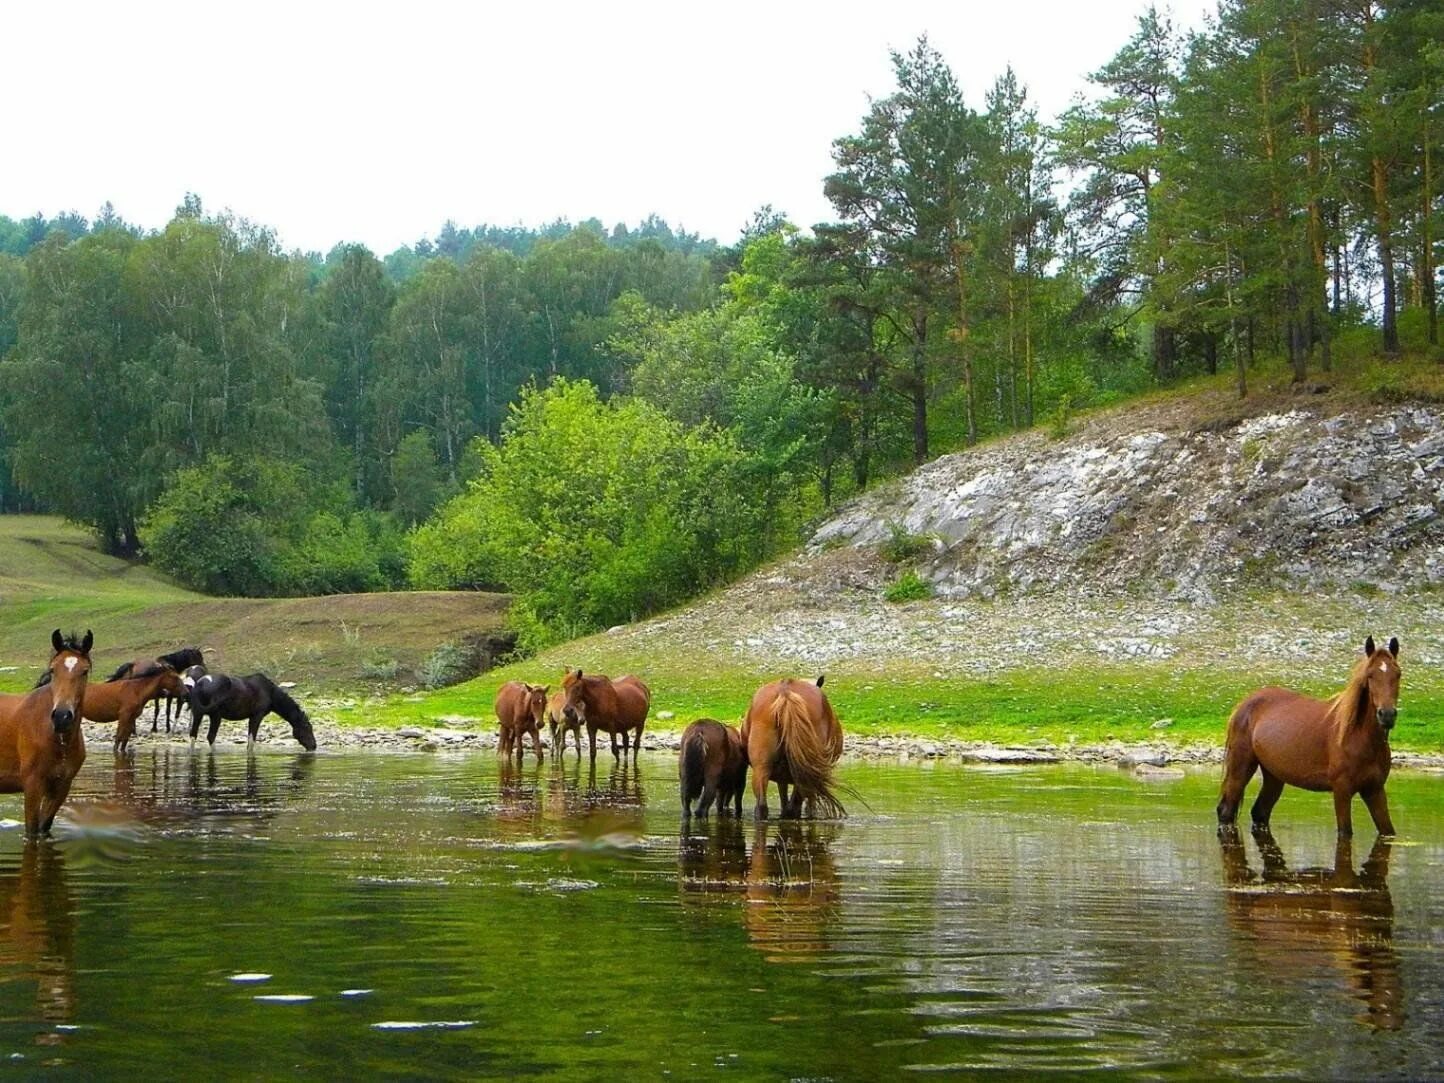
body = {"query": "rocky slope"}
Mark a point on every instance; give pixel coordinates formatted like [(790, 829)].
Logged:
[(1284, 499)]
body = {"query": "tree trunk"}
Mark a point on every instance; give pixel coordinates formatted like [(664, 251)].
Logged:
[(1431, 306), (920, 386)]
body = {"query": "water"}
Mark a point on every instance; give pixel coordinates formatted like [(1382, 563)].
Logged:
[(219, 916)]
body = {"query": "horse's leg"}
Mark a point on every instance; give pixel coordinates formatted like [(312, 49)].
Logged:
[(760, 780), (536, 742), (125, 728), (59, 791), (709, 794), (255, 729), (215, 728), (1343, 798), (553, 727), (615, 753), (155, 714), (591, 740), (1268, 796), (1238, 767), (33, 801), (1378, 806)]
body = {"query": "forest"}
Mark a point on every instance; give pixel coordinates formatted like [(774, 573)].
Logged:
[(606, 421)]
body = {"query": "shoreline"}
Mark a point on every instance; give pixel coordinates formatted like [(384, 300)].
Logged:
[(1160, 759)]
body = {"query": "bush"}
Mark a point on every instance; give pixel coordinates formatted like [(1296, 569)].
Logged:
[(901, 545), (259, 528), (450, 663), (908, 587), (595, 513)]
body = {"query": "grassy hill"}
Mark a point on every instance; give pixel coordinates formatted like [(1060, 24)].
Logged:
[(53, 575), (1079, 662)]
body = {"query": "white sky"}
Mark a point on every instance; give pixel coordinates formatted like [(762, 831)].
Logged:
[(377, 122)]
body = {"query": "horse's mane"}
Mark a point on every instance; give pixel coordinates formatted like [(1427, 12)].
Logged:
[(1347, 709), (281, 703), (128, 672)]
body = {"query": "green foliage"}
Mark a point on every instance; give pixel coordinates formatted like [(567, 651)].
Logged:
[(251, 527), (908, 587), (450, 663), (595, 513), (902, 545)]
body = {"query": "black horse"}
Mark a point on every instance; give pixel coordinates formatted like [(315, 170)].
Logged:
[(252, 698), (179, 661)]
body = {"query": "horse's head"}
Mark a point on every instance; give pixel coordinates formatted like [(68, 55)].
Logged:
[(191, 675), (302, 731), (574, 707), (171, 683), (1383, 679), (69, 669), (536, 701)]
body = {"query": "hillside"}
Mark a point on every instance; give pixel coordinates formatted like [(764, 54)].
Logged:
[(52, 574), (1131, 580)]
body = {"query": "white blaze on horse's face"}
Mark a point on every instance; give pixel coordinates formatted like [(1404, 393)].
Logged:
[(70, 663)]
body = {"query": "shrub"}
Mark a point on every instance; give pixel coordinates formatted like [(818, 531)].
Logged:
[(908, 587), (450, 663)]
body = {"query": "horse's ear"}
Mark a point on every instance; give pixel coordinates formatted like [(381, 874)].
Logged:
[(546, 689), (85, 643), (1394, 646), (1369, 647), (579, 673), (57, 641), (820, 678)]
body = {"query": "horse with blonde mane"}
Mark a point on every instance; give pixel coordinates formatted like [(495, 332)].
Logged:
[(1339, 745), (793, 738)]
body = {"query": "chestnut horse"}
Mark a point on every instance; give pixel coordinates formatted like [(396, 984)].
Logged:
[(1340, 745), (42, 744), (600, 703), (520, 708), (559, 724), (122, 699), (712, 764), (793, 738)]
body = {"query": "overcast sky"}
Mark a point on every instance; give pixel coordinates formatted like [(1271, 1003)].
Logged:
[(376, 123)]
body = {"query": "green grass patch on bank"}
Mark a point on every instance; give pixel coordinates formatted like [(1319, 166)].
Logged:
[(1123, 702)]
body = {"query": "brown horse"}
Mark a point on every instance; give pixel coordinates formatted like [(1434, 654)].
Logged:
[(1308, 923), (520, 708), (1340, 745), (793, 738), (600, 703), (41, 741), (712, 764), (559, 724), (122, 699)]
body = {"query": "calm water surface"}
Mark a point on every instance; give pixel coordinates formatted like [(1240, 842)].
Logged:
[(434, 915)]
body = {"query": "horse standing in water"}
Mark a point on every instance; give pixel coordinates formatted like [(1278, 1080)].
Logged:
[(559, 724), (179, 661), (793, 738), (42, 744), (600, 703), (1340, 745), (251, 698), (520, 708), (122, 699), (712, 764)]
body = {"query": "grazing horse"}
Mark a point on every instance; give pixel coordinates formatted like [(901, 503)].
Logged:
[(251, 698), (600, 703), (123, 699), (1340, 745), (559, 724), (520, 708), (42, 743), (713, 764), (793, 737)]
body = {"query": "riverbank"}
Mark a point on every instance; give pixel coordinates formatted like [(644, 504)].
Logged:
[(1158, 759)]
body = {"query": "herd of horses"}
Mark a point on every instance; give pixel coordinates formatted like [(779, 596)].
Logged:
[(790, 735)]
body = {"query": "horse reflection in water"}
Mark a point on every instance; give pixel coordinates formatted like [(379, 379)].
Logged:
[(787, 881), (1306, 921), (38, 941), (555, 809)]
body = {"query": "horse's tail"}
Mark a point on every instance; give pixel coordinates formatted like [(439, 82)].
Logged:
[(809, 757), (694, 767), (1239, 725)]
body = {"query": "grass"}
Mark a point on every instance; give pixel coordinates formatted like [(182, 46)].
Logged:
[(52, 575)]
